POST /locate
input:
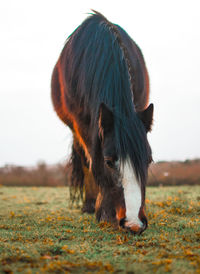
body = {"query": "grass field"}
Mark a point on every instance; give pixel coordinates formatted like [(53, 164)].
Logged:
[(40, 233)]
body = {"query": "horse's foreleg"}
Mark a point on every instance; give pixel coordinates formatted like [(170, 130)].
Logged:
[(77, 176), (83, 177), (91, 191)]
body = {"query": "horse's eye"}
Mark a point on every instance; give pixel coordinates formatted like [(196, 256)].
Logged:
[(109, 163)]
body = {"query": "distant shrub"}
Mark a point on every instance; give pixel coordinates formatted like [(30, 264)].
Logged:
[(41, 175), (175, 173), (161, 173)]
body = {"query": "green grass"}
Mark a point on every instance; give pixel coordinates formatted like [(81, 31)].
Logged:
[(40, 233)]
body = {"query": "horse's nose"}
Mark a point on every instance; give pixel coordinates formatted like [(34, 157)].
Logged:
[(134, 228)]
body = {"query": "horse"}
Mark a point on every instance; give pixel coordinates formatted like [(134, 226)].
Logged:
[(100, 90)]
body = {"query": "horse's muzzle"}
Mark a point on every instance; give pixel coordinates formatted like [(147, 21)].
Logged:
[(134, 228)]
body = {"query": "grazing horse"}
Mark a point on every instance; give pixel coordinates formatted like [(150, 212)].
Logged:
[(100, 89)]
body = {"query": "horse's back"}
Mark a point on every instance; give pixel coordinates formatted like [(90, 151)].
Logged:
[(139, 71)]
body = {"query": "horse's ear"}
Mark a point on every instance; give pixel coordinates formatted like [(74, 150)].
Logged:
[(147, 117), (106, 120)]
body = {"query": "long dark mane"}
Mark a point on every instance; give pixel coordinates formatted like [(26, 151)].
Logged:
[(99, 68)]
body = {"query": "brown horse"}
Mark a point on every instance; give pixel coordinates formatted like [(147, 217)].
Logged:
[(100, 89)]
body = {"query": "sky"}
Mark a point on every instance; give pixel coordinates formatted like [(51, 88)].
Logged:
[(32, 34)]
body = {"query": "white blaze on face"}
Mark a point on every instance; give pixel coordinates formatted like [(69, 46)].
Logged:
[(132, 195)]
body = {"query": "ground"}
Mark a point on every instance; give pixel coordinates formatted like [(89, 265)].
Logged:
[(41, 233)]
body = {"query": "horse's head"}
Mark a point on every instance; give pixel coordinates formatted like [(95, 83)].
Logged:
[(123, 189)]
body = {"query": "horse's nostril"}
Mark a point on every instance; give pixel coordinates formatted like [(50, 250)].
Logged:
[(122, 222), (143, 227), (145, 223)]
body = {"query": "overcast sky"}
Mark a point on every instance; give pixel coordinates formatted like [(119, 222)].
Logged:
[(32, 34)]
